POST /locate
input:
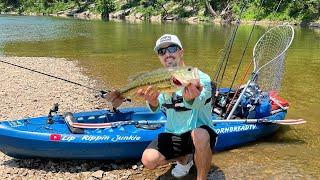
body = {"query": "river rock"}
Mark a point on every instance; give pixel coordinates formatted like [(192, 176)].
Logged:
[(134, 167), (98, 174)]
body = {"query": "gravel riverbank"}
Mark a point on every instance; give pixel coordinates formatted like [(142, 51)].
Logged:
[(25, 93)]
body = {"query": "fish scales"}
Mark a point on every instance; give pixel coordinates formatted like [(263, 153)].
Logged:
[(161, 79)]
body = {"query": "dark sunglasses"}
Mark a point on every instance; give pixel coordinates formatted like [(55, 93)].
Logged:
[(170, 49)]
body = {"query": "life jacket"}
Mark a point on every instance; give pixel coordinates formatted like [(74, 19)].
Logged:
[(177, 101)]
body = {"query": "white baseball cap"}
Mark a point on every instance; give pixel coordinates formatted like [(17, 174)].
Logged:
[(167, 39)]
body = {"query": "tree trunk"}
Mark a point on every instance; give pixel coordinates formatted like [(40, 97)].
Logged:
[(166, 12), (212, 12), (318, 10), (105, 16)]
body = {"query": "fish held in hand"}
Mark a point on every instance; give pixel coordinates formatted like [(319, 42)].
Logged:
[(164, 79)]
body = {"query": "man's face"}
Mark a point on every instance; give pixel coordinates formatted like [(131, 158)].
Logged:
[(170, 55)]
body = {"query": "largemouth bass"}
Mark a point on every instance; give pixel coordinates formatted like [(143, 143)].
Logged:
[(164, 79)]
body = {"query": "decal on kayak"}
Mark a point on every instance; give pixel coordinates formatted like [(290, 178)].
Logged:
[(15, 123), (92, 138), (235, 129), (55, 137), (109, 138)]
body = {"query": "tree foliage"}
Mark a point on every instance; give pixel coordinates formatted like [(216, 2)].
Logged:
[(304, 10), (105, 6)]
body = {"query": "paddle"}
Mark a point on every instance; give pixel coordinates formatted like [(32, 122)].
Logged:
[(245, 121)]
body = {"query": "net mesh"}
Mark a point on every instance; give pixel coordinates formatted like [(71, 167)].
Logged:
[(269, 56)]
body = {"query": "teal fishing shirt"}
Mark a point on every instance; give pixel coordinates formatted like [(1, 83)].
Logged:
[(200, 113)]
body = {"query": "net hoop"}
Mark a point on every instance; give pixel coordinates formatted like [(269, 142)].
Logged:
[(260, 43)]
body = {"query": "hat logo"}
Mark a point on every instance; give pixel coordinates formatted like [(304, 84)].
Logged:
[(165, 38)]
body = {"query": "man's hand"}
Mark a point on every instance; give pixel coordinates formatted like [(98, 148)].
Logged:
[(150, 95), (115, 98), (192, 91)]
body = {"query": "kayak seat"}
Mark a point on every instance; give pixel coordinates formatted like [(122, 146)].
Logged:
[(69, 119)]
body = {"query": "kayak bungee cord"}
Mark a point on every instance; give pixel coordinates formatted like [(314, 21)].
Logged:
[(155, 122), (66, 80)]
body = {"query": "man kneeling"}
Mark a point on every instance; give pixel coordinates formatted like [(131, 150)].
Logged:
[(189, 129)]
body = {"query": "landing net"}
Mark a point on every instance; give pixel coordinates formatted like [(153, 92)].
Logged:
[(269, 56)]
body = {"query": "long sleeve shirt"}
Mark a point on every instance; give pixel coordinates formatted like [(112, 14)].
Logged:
[(179, 122)]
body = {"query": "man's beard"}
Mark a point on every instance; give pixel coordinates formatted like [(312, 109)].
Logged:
[(172, 63)]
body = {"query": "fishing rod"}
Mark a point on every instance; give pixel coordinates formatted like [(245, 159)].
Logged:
[(274, 12), (240, 62), (265, 47), (248, 40), (242, 57), (224, 61), (244, 51), (55, 77)]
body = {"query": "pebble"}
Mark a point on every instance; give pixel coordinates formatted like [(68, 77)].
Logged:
[(134, 167), (98, 174)]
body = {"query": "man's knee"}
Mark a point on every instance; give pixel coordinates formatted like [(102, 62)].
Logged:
[(201, 139), (151, 158)]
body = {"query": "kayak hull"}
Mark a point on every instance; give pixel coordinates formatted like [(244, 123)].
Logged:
[(34, 137)]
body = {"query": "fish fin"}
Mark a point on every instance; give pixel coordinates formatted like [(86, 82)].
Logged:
[(136, 76), (110, 96)]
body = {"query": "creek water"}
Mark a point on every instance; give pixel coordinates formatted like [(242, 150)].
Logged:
[(114, 51)]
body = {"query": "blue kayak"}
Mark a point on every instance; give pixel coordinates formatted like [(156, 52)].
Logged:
[(35, 137)]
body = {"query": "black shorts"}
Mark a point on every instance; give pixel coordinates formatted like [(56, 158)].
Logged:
[(172, 146)]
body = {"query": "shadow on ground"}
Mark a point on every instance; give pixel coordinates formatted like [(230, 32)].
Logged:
[(215, 173)]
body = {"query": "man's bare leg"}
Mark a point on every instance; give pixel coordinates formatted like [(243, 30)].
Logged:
[(203, 153), (152, 158)]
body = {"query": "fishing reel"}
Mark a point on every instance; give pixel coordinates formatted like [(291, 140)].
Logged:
[(55, 110), (222, 101), (102, 94)]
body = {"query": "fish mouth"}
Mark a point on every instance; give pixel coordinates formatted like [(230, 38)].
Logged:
[(176, 82)]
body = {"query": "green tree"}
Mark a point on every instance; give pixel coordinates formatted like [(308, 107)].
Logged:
[(105, 7)]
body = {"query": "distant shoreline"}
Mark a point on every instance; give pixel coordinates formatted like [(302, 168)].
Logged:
[(155, 19)]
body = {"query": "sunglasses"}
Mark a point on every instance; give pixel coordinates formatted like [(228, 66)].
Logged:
[(170, 49)]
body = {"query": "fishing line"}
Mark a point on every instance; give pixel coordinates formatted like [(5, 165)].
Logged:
[(55, 77), (274, 12)]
